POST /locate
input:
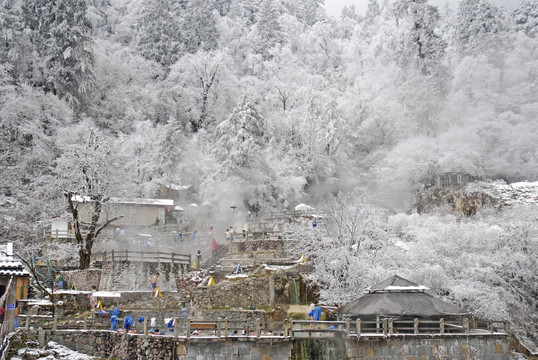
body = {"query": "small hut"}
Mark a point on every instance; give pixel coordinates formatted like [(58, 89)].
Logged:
[(401, 299), (14, 280)]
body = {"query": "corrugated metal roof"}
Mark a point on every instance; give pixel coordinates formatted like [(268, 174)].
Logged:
[(135, 201), (10, 264), (19, 272), (11, 267)]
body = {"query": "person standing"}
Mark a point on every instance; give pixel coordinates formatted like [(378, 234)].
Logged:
[(214, 247), (317, 312), (210, 234), (157, 222), (311, 313), (92, 297), (154, 284), (58, 282)]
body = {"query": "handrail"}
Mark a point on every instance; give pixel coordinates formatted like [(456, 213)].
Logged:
[(256, 328), (142, 256)]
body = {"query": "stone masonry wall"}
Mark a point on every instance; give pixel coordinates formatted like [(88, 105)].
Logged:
[(82, 279), (454, 347), (259, 291), (126, 275), (139, 347), (270, 246)]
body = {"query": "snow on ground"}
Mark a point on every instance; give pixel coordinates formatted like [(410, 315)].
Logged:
[(517, 193), (52, 351)]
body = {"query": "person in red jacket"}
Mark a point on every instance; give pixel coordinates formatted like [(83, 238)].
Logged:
[(214, 247)]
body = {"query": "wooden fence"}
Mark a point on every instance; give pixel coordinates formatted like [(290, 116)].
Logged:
[(224, 328), (142, 256)]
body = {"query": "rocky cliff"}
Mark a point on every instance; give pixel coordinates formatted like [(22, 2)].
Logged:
[(472, 197)]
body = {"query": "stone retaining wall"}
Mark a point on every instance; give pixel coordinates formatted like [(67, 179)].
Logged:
[(453, 347), (126, 275), (139, 347), (128, 346), (261, 246), (257, 291)]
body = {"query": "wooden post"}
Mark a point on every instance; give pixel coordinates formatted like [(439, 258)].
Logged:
[(385, 326), (391, 327), (27, 326), (225, 327), (258, 328), (416, 326), (491, 327), (176, 327), (285, 327), (85, 324), (347, 326), (219, 325), (505, 326), (358, 328), (145, 326), (142, 256), (55, 323), (442, 326), (248, 328), (290, 328), (467, 325), (112, 255), (188, 329)]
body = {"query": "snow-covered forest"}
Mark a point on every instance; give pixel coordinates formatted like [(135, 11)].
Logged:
[(272, 102)]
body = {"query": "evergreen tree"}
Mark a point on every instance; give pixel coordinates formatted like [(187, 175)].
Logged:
[(160, 36), (525, 18), (268, 30), (199, 27), (245, 10), (478, 29), (60, 36), (420, 46)]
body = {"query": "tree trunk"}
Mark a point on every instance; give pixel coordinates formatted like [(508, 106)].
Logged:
[(84, 259)]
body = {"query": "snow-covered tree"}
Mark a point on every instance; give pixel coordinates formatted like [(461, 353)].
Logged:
[(479, 28), (60, 35), (30, 125), (198, 26), (160, 39), (90, 173), (199, 84)]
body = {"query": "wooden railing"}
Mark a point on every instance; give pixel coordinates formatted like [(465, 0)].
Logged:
[(142, 256), (224, 328)]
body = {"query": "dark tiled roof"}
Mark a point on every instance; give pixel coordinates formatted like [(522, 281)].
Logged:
[(394, 280), (399, 304), (397, 296)]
